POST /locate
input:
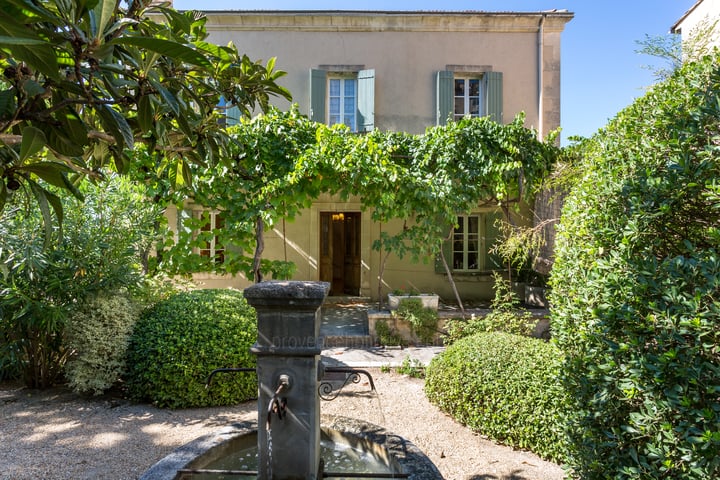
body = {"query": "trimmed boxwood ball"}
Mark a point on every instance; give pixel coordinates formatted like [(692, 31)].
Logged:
[(178, 342), (503, 386)]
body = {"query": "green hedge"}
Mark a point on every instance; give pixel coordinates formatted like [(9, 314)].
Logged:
[(503, 386), (635, 288), (178, 342)]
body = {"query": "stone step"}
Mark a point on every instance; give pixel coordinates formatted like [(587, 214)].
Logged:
[(349, 341)]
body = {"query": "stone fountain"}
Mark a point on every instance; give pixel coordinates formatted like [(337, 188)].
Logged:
[(290, 384)]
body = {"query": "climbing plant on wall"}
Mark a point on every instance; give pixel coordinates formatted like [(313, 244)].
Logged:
[(281, 162)]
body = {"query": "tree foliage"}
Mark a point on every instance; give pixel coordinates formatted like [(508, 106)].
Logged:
[(101, 249), (84, 81), (281, 162), (635, 287)]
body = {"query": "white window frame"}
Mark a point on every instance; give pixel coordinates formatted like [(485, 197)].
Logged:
[(461, 243), (342, 79), (466, 98), (214, 249)]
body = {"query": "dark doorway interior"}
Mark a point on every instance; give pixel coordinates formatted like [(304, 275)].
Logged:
[(340, 252)]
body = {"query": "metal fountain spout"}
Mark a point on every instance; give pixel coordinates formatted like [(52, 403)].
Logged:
[(292, 380), (278, 402)]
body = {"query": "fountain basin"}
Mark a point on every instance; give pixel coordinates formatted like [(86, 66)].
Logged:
[(388, 452)]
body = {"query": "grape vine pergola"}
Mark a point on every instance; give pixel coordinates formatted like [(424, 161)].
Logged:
[(282, 162)]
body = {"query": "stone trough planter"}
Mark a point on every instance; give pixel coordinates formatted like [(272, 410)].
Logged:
[(429, 300)]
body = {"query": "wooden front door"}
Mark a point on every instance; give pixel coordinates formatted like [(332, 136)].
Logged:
[(340, 252)]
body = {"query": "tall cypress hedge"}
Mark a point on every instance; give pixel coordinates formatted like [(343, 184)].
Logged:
[(636, 286)]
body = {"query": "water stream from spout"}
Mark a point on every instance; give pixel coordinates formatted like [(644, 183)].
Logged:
[(380, 408), (269, 452)]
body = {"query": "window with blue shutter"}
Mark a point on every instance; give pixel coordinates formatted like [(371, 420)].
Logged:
[(230, 114), (461, 94), (468, 248), (366, 100), (494, 95), (318, 89), (444, 96), (343, 97)]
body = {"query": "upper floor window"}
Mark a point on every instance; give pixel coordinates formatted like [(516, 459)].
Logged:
[(468, 100), (342, 102), (343, 95), (229, 113), (467, 93)]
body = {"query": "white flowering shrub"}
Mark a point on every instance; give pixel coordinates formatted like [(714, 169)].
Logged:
[(98, 334)]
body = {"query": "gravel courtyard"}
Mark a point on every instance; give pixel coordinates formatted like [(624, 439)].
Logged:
[(56, 434)]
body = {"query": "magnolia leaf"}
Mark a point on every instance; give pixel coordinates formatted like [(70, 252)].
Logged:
[(167, 96), (168, 48), (3, 195), (73, 126), (7, 103), (33, 140), (117, 126), (5, 40), (59, 142), (145, 113), (103, 13)]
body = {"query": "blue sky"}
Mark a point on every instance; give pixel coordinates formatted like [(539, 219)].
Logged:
[(601, 71)]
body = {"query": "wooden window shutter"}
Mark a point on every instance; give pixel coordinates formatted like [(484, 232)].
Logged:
[(318, 94), (366, 100), (444, 96), (494, 95)]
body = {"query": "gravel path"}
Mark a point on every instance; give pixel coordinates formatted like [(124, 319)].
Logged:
[(57, 435)]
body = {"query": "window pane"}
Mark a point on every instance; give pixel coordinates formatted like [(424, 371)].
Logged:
[(459, 106), (334, 119), (472, 245), (473, 223), (474, 90), (472, 261), (350, 122), (460, 225), (349, 107), (458, 260), (459, 87), (475, 107), (334, 105), (350, 87), (335, 87)]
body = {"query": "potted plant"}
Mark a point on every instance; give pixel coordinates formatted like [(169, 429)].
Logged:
[(428, 300)]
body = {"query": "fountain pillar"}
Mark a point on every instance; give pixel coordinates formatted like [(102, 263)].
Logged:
[(288, 356)]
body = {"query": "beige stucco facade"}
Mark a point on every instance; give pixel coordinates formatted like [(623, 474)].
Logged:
[(699, 18), (406, 50)]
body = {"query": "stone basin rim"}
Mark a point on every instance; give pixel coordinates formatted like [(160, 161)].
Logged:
[(402, 452)]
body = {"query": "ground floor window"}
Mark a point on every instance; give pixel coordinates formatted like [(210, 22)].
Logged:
[(208, 235), (468, 249)]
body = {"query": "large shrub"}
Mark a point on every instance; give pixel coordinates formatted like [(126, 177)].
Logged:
[(45, 273), (635, 288), (178, 342), (503, 386), (98, 333)]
